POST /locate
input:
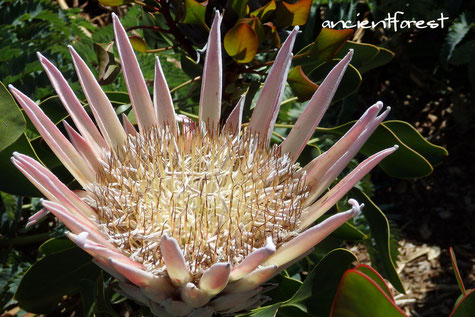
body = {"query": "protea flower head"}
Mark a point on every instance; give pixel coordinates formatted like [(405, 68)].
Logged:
[(193, 217)]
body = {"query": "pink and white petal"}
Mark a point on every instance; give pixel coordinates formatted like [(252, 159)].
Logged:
[(58, 143), (212, 78), (313, 113), (76, 224), (176, 308), (158, 310), (162, 100), (194, 296), (175, 262), (252, 280), (252, 261), (250, 303), (83, 147), (100, 251), (341, 153), (233, 122), (138, 92), (202, 312), (134, 274), (128, 126), (51, 186), (100, 105), (228, 301), (314, 211), (310, 237), (134, 293), (37, 217), (159, 289), (215, 279), (109, 269), (74, 107), (268, 104)]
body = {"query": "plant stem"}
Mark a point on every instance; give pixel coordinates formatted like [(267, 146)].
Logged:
[(24, 240), (165, 10)]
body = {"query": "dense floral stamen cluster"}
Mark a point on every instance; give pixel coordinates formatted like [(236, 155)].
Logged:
[(219, 196)]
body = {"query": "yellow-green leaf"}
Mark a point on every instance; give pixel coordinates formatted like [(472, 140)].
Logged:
[(291, 14), (111, 3), (241, 43), (138, 43), (264, 13), (195, 12)]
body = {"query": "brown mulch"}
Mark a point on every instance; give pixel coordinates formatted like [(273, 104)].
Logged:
[(427, 276)]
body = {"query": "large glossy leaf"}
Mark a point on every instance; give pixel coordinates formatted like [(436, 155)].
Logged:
[(322, 282), (412, 138), (12, 123), (466, 306), (290, 14), (407, 161), (359, 296), (374, 275), (241, 43), (53, 276), (264, 13), (12, 181), (239, 7), (366, 56), (380, 235), (323, 49), (349, 83), (303, 87), (195, 12)]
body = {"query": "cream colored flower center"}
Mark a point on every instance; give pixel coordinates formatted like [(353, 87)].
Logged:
[(218, 196)]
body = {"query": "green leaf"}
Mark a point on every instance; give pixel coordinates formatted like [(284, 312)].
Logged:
[(109, 68), (241, 43), (138, 44), (12, 123), (349, 83), (323, 49), (53, 276), (457, 32), (321, 284), (239, 7), (112, 3), (359, 296), (55, 245), (303, 87), (195, 12), (266, 311), (12, 180), (413, 139), (347, 231), (287, 288), (373, 275), (458, 276), (380, 235), (291, 14), (466, 306), (366, 56), (396, 164), (264, 13)]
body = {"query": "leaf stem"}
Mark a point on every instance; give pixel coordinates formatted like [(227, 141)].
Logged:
[(24, 240)]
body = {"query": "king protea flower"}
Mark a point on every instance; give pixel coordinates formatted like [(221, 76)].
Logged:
[(193, 217)]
